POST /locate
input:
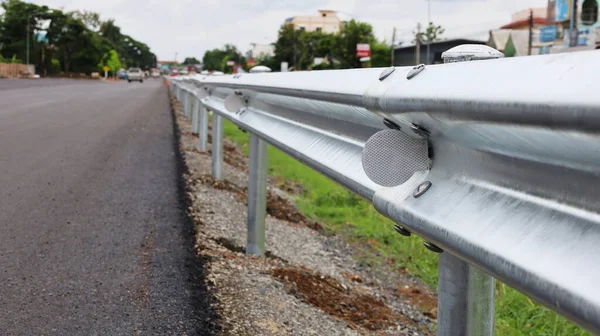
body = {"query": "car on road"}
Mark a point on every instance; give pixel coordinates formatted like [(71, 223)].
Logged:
[(135, 74), (122, 74), (155, 74)]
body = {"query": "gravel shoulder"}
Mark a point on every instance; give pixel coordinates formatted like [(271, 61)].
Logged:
[(309, 283)]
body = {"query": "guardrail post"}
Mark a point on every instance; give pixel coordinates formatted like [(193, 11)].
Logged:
[(203, 129), (257, 196), (257, 190), (465, 293), (465, 299), (217, 147), (195, 111), (188, 102)]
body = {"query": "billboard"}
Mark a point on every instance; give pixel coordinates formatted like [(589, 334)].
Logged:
[(562, 10), (363, 50)]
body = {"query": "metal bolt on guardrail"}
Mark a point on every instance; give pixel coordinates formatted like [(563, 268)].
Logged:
[(493, 176)]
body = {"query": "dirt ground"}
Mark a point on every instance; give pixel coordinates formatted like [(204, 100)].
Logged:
[(308, 283)]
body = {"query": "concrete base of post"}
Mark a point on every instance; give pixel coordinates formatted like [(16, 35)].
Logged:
[(465, 299), (257, 196)]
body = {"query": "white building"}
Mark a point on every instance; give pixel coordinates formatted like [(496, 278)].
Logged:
[(258, 50), (327, 22)]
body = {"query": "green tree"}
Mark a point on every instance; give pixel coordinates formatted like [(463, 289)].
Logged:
[(352, 33), (299, 48), (216, 59), (90, 19), (431, 34), (381, 54), (112, 61), (191, 61), (71, 38)]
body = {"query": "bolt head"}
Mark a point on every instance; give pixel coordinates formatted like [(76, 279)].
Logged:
[(386, 73), (415, 71), (421, 189)]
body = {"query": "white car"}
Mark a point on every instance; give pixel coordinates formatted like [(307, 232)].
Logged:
[(135, 74)]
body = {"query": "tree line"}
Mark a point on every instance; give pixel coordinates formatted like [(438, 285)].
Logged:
[(73, 42), (299, 48)]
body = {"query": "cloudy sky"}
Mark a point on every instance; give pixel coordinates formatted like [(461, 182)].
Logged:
[(190, 27)]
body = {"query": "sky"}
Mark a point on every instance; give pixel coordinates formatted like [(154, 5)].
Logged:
[(190, 27)]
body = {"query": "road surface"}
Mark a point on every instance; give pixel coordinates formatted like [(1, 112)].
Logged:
[(93, 236)]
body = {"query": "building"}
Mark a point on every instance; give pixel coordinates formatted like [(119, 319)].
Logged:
[(405, 55), (499, 38), (520, 20), (518, 44), (327, 22), (260, 51), (551, 29)]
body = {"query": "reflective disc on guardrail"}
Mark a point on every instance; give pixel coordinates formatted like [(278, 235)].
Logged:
[(391, 157)]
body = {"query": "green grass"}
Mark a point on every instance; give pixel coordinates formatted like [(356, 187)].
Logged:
[(340, 211)]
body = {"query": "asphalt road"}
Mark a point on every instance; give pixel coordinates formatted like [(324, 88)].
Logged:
[(93, 236)]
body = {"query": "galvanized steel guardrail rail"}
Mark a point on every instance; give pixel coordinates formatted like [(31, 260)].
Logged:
[(494, 163)]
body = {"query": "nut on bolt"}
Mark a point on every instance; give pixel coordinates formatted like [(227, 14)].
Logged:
[(390, 124), (432, 247), (402, 230)]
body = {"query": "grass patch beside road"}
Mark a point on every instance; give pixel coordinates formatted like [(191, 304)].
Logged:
[(342, 212)]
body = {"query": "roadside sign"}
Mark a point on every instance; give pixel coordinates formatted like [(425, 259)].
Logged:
[(363, 50), (230, 63), (562, 10), (548, 34), (106, 68)]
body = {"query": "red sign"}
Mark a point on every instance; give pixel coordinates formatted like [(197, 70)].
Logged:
[(363, 50)]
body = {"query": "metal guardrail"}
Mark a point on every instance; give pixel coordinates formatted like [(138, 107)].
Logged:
[(495, 164)]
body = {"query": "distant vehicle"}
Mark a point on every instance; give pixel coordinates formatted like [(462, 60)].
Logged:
[(183, 72), (155, 74), (135, 74), (122, 74)]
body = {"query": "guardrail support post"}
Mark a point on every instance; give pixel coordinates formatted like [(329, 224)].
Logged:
[(188, 103), (217, 147), (257, 196), (203, 129), (465, 299), (195, 111)]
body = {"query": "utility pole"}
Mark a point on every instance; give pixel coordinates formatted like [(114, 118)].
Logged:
[(530, 32), (418, 43), (573, 30), (428, 24), (393, 40)]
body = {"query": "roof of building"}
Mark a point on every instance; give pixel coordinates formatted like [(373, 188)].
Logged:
[(454, 40), (525, 22)]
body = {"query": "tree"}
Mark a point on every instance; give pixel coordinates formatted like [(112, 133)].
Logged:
[(112, 61), (90, 19), (431, 34), (78, 39), (191, 61), (216, 59), (381, 54)]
